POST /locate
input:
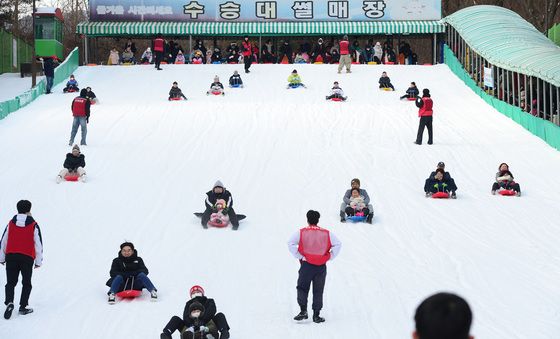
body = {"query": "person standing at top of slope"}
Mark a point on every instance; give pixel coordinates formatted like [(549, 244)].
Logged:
[(355, 183), (158, 48), (80, 111), (21, 248), (247, 51), (128, 266), (443, 315), (219, 192), (48, 67), (313, 246), (206, 320), (345, 58), (425, 112)]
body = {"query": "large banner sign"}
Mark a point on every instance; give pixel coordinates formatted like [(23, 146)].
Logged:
[(255, 10)]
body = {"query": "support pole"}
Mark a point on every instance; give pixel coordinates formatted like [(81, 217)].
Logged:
[(531, 102), (33, 53), (434, 59), (513, 88), (86, 54), (538, 97)]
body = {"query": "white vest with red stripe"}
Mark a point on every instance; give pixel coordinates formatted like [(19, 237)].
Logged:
[(21, 240), (315, 244)]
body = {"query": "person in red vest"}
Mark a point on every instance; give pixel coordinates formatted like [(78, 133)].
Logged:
[(80, 111), (425, 112), (313, 246), (158, 48), (345, 58), (21, 248), (247, 51)]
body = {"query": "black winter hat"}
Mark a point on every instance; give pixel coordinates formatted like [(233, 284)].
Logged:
[(23, 206), (127, 243), (426, 91), (83, 93), (313, 217), (196, 306)]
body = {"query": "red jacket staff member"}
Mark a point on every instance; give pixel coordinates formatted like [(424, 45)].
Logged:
[(425, 112), (313, 246), (80, 112), (21, 247), (158, 48), (345, 58)]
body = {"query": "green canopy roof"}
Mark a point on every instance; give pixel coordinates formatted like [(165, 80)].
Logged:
[(506, 40), (259, 28)]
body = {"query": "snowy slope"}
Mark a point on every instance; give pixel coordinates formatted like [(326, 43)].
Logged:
[(282, 152), (12, 85)]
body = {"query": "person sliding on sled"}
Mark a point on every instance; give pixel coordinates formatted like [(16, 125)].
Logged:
[(216, 86), (235, 80), (175, 92), (504, 179), (294, 80), (439, 183), (199, 316), (71, 85), (91, 96), (336, 92), (412, 92), (385, 81), (355, 184), (357, 203), (446, 177), (74, 164), (219, 192), (129, 272)]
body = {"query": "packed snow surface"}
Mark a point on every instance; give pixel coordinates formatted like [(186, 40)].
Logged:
[(12, 85), (282, 152)]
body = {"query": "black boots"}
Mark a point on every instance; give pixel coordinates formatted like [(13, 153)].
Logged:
[(301, 316), (8, 312), (316, 318)]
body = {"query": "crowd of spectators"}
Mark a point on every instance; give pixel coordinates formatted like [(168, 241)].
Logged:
[(319, 51)]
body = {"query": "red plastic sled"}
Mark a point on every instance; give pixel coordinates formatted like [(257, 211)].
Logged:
[(336, 99), (507, 192), (128, 294), (217, 223), (440, 195), (71, 177), (176, 99), (411, 99), (216, 93), (197, 62)]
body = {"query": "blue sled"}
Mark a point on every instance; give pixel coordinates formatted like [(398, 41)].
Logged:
[(355, 218), (294, 85)]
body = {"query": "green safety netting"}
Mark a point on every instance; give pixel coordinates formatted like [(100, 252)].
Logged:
[(544, 129), (257, 28), (508, 41), (61, 74)]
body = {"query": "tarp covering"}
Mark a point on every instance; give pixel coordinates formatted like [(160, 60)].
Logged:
[(544, 129), (506, 40), (258, 28)]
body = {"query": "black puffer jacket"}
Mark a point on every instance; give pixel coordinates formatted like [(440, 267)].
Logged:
[(209, 311), (212, 197), (72, 162), (127, 267)]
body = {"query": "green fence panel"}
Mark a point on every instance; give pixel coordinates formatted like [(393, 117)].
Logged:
[(544, 129), (61, 73)]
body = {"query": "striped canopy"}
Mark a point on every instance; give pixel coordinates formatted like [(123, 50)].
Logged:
[(259, 28)]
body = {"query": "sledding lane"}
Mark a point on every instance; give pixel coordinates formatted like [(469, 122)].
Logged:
[(282, 152)]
